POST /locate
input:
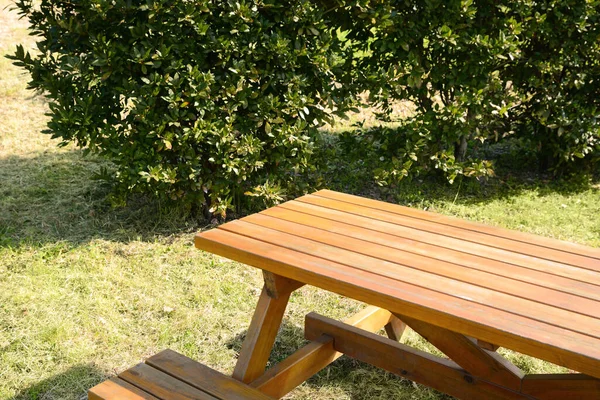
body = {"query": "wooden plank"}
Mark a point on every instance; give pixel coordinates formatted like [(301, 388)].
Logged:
[(310, 359), (162, 385), (589, 263), (438, 373), (526, 268), (202, 377), (466, 353), (116, 388), (483, 296), (550, 343), (460, 223), (562, 387), (457, 272), (278, 286), (259, 340), (395, 328)]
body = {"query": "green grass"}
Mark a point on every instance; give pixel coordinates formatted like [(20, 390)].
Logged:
[(87, 290)]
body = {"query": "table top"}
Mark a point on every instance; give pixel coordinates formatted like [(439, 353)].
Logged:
[(535, 295)]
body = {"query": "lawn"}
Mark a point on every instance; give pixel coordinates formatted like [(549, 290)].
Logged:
[(87, 290)]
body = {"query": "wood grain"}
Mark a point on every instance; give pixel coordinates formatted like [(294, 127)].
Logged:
[(466, 353), (438, 373), (553, 244), (260, 337), (562, 387), (162, 385), (395, 329), (499, 262), (310, 359), (549, 253), (552, 343), (356, 247), (202, 377), (278, 286), (116, 388), (483, 296)]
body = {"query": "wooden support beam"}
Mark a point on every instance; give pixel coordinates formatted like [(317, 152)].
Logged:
[(278, 286), (486, 345), (561, 387), (297, 368), (370, 319), (310, 359), (263, 329), (395, 328), (438, 373), (465, 352)]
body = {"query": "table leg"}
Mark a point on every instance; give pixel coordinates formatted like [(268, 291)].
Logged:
[(263, 329), (395, 328)]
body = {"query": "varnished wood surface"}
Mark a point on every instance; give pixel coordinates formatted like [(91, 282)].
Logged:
[(535, 295), (316, 355), (171, 376)]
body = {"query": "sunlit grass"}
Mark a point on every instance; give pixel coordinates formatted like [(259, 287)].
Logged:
[(87, 291)]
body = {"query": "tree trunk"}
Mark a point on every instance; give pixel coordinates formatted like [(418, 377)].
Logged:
[(460, 148)]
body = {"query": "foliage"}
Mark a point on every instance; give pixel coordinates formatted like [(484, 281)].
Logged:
[(479, 70), (207, 101), (195, 100)]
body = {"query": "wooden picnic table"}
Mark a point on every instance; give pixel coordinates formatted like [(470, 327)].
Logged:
[(465, 287)]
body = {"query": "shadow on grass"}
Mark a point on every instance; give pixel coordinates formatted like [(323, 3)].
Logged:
[(54, 197), (73, 383), (353, 170)]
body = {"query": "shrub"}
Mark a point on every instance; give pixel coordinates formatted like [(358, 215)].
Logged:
[(479, 71), (207, 100), (199, 101)]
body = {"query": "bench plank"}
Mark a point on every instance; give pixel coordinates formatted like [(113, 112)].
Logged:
[(531, 309), (460, 223), (577, 260), (116, 388), (202, 377), (162, 385), (564, 279), (552, 343), (449, 270), (433, 238)]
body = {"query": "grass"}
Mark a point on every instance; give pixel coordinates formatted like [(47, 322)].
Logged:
[(87, 290)]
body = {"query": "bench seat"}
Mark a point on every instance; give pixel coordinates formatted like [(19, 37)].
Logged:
[(170, 375)]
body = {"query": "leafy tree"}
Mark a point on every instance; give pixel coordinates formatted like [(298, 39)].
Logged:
[(207, 100), (199, 101), (477, 71)]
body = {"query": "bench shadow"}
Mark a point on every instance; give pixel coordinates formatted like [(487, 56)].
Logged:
[(70, 384), (356, 379)]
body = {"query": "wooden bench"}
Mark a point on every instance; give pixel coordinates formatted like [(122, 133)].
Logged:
[(171, 376)]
